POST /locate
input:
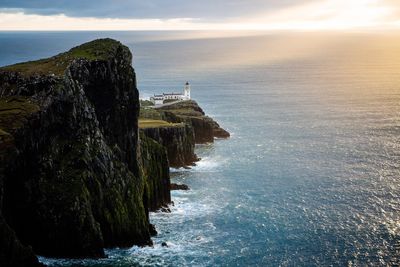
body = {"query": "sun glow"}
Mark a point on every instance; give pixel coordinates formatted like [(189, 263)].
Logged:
[(320, 15), (325, 15)]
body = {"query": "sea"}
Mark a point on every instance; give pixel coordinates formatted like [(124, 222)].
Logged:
[(311, 173)]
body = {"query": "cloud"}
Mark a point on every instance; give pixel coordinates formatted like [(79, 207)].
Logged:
[(185, 15), (161, 9), (17, 21)]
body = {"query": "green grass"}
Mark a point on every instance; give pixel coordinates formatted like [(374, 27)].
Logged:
[(185, 112), (149, 113), (14, 112), (100, 49), (166, 101), (146, 103), (187, 108), (147, 123)]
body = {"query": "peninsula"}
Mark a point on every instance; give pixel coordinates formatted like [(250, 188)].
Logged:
[(81, 163)]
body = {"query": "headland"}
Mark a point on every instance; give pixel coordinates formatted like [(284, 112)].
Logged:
[(82, 164)]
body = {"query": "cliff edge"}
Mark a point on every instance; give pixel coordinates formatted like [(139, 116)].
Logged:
[(71, 177), (179, 127), (189, 112), (177, 138)]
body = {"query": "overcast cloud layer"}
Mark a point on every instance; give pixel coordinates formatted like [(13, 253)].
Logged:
[(199, 15), (163, 9)]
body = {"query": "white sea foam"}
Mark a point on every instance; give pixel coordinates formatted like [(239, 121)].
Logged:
[(208, 164), (183, 208), (309, 164)]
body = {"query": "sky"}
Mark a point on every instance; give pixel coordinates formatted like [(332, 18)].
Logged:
[(308, 15)]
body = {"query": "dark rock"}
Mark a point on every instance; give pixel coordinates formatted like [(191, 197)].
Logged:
[(12, 252), (178, 127), (152, 230), (179, 187), (155, 171), (164, 244), (205, 128), (218, 132), (165, 209), (76, 183), (179, 142)]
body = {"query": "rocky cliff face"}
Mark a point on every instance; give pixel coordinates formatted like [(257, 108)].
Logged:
[(178, 127), (156, 173), (179, 142), (12, 251), (205, 128), (75, 183)]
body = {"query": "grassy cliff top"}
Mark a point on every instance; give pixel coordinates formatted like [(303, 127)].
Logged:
[(188, 108), (14, 113), (100, 49), (147, 123)]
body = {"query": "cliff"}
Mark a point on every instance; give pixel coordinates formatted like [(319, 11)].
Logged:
[(178, 139), (12, 251), (72, 180), (178, 127), (205, 128), (156, 173)]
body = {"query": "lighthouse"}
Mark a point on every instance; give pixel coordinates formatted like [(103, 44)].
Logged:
[(159, 99), (186, 90)]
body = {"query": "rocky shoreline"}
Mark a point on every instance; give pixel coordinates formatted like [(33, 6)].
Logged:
[(81, 165)]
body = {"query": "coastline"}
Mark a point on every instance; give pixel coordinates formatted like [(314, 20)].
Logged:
[(310, 175), (94, 169), (186, 205)]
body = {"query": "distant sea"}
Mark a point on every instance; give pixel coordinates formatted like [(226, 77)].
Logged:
[(311, 174)]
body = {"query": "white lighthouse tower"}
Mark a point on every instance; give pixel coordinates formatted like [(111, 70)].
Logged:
[(186, 91), (159, 99)]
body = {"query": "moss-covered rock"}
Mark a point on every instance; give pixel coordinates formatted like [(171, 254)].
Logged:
[(14, 112), (75, 183), (155, 169), (97, 50), (178, 140), (179, 127), (205, 128), (146, 123)]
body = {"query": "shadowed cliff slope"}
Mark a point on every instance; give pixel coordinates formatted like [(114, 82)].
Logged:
[(156, 172), (177, 138), (14, 112), (75, 182)]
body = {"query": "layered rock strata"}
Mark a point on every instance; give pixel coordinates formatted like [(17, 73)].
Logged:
[(156, 173), (178, 140)]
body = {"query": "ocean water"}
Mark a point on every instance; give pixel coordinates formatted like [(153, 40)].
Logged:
[(311, 174)]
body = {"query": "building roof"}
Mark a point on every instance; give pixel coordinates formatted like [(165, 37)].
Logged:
[(172, 94)]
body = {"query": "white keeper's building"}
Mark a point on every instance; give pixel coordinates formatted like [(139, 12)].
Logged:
[(159, 99)]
